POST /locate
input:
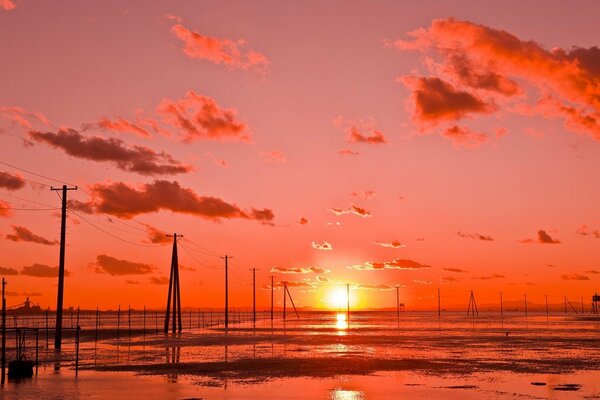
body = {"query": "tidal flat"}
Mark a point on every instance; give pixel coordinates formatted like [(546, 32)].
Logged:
[(374, 355)]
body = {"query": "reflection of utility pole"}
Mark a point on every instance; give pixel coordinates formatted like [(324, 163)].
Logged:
[(226, 257), (253, 294), (61, 266)]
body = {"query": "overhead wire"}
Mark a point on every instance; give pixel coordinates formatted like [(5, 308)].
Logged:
[(112, 235), (196, 259)]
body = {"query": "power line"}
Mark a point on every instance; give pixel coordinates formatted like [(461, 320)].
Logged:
[(197, 260), (29, 209), (208, 251), (25, 179), (36, 174), (24, 199), (112, 235)]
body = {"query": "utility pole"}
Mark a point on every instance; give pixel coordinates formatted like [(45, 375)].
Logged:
[(284, 297), (398, 301), (253, 294), (174, 290), (348, 303), (439, 306), (61, 265), (226, 258), (271, 297)]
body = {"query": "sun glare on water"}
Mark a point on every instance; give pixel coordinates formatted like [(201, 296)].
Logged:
[(341, 322)]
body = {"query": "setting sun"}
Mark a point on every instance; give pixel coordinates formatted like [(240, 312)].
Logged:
[(337, 298)]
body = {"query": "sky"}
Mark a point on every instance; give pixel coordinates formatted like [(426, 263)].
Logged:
[(426, 145)]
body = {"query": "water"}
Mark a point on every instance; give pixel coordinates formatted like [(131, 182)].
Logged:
[(321, 356)]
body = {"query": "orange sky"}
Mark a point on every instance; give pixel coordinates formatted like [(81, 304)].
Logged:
[(426, 145)]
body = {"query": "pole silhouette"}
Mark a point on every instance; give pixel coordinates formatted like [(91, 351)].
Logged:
[(226, 258), (271, 297), (253, 294), (61, 265), (439, 305), (397, 301), (472, 309), (174, 291), (347, 303), (284, 298)]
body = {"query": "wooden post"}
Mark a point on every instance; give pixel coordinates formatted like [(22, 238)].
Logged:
[(397, 302), (284, 297), (439, 305), (271, 297), (348, 304)]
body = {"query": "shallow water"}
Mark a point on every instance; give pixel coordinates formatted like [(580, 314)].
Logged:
[(377, 356)]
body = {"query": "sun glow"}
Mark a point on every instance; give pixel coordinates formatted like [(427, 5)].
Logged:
[(337, 298)]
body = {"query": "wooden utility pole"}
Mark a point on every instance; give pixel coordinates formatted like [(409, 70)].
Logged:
[(174, 291), (398, 301), (501, 306), (271, 297), (253, 294), (226, 258), (439, 305), (61, 266), (472, 309), (347, 303), (525, 305), (284, 297)]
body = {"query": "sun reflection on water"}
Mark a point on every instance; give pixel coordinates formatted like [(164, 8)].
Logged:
[(341, 322), (339, 394)]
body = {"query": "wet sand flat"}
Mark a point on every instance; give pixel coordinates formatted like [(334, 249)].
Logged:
[(417, 356)]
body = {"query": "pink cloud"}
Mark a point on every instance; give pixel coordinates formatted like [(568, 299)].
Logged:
[(273, 157), (398, 263), (220, 51), (200, 117), (464, 137), (360, 131), (139, 159), (484, 58), (542, 237), (127, 201), (436, 100), (322, 246), (352, 209)]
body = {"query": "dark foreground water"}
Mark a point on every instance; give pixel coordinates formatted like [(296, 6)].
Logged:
[(320, 356)]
